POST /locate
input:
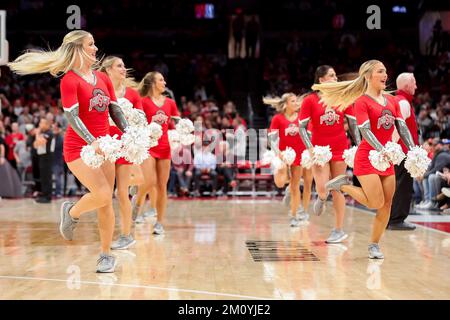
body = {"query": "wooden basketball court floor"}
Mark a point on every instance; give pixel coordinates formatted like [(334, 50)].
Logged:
[(222, 249)]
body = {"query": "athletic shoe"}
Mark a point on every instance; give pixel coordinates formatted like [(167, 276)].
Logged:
[(375, 252), (287, 197), (319, 206), (158, 228), (67, 224), (123, 242), (140, 219), (106, 263), (294, 222), (337, 183), (336, 236), (150, 213), (446, 192), (301, 215)]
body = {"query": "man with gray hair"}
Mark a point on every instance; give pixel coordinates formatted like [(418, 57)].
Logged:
[(406, 87)]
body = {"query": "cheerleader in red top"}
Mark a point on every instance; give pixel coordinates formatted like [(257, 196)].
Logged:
[(127, 174), (162, 110), (87, 97), (328, 129), (283, 133), (376, 113)]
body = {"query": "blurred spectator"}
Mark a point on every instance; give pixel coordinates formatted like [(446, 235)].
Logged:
[(58, 161), (11, 141), (205, 163), (22, 155), (11, 186), (45, 147), (431, 181)]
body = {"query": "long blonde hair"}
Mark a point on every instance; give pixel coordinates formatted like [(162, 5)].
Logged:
[(56, 62), (146, 84), (278, 103), (343, 94), (108, 62)]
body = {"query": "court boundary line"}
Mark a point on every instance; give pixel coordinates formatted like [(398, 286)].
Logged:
[(417, 225), (136, 286)]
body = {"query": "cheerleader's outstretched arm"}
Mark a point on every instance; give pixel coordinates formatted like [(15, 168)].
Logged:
[(274, 140), (303, 125), (353, 126), (117, 115), (77, 124), (404, 133), (368, 135)]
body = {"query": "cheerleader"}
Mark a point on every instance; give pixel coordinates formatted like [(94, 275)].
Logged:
[(87, 97), (283, 133), (127, 174), (376, 114), (327, 129), (160, 109)]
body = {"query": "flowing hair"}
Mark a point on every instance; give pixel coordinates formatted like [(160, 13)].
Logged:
[(343, 94), (145, 87), (278, 103), (108, 62), (55, 62)]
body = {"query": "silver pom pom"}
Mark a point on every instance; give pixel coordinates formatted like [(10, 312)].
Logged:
[(379, 160), (136, 143), (90, 157), (349, 156), (111, 147), (322, 155), (307, 161), (417, 162), (394, 152), (288, 156)]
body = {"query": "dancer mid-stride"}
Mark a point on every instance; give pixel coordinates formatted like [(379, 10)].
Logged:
[(127, 174), (88, 98), (284, 132), (328, 129), (160, 109), (377, 113)]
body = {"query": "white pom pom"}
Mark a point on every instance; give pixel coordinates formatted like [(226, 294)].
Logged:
[(349, 156), (136, 143), (136, 118), (184, 126), (187, 140), (379, 160), (268, 157), (154, 131), (288, 156), (125, 105), (90, 157), (277, 164), (307, 161), (417, 162), (322, 154), (174, 138), (394, 152), (111, 147)]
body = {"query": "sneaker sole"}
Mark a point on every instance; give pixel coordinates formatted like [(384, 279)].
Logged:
[(374, 257), (61, 216), (321, 211), (338, 240), (126, 247)]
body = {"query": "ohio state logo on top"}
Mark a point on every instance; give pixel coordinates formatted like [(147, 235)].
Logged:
[(99, 100), (291, 130), (329, 118), (160, 117), (386, 120)]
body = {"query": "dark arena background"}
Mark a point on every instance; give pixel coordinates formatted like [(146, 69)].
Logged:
[(227, 230)]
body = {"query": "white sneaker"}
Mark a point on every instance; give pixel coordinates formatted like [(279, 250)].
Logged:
[(140, 219), (294, 222), (158, 228)]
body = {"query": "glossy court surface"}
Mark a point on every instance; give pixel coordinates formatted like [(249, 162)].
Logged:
[(219, 249)]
